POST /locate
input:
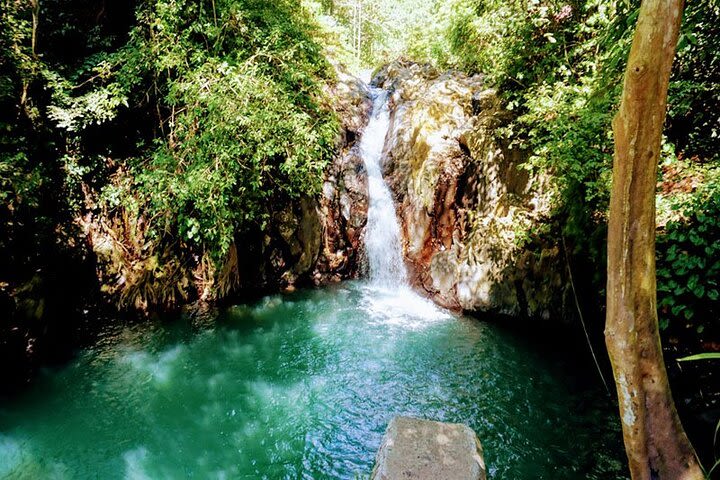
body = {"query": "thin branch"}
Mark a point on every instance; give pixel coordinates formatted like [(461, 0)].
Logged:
[(582, 320)]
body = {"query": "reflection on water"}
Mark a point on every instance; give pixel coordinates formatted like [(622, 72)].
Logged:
[(303, 386)]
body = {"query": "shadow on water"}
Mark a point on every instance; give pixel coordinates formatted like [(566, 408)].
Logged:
[(561, 408)]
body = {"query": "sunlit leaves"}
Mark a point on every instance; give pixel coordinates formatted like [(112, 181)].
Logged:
[(95, 107), (245, 126)]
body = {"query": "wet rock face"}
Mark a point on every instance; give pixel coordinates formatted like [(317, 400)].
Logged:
[(344, 202), (344, 207), (464, 199)]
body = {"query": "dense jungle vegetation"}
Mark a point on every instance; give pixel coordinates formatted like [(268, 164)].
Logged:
[(178, 128), (178, 120)]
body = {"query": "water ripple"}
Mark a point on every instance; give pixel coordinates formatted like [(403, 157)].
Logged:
[(303, 386)]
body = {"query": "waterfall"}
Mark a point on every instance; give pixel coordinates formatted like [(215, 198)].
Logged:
[(382, 233), (389, 298)]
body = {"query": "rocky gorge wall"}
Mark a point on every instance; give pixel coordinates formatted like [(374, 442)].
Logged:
[(105, 260), (462, 196), (465, 200), (309, 240)]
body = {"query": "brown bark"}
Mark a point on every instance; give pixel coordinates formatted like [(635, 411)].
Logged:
[(35, 6), (656, 444)]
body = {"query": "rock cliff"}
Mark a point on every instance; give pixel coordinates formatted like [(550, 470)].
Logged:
[(344, 202), (307, 240), (466, 202), (320, 239)]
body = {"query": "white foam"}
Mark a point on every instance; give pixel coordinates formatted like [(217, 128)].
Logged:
[(365, 75), (401, 307), (11, 455), (134, 464), (157, 367), (382, 232), (17, 460), (388, 298)]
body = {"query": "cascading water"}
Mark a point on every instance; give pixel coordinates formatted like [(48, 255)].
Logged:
[(389, 297), (382, 233)]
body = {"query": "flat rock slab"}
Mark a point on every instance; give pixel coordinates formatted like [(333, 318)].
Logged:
[(425, 450)]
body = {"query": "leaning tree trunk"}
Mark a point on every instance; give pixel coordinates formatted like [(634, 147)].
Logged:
[(656, 444)]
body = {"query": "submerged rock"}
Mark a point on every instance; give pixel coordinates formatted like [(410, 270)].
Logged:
[(465, 199), (427, 450)]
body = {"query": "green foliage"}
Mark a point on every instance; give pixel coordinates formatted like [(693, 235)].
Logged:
[(238, 119), (700, 356), (30, 183), (95, 107), (179, 124), (694, 116), (688, 261), (245, 123), (239, 143), (20, 177), (369, 33), (38, 67), (200, 116), (512, 42)]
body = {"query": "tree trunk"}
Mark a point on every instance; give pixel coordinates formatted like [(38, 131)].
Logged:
[(35, 6), (656, 444)]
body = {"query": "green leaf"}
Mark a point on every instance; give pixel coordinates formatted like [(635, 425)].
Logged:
[(700, 356), (664, 323)]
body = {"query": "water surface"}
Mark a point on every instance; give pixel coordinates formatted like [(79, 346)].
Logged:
[(303, 386)]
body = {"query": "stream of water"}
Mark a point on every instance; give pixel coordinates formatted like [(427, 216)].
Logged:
[(303, 386), (382, 232)]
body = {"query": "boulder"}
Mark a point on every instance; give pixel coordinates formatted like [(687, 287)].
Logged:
[(425, 450)]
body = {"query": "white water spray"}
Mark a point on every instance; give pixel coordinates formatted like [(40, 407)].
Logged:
[(382, 233), (389, 299)]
